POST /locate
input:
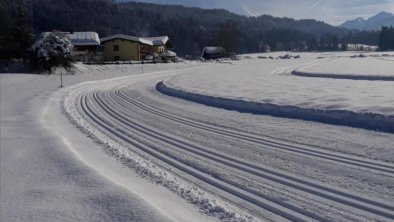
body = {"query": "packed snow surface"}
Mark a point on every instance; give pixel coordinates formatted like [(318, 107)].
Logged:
[(110, 147), (50, 171)]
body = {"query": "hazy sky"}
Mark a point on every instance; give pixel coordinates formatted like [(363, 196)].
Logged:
[(332, 11)]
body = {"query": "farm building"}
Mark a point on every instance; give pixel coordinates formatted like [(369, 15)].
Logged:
[(82, 41), (213, 52), (125, 48), (85, 44)]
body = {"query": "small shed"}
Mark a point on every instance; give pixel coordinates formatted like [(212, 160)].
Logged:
[(168, 55), (213, 52)]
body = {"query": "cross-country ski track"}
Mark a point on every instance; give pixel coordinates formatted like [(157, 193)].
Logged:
[(130, 112)]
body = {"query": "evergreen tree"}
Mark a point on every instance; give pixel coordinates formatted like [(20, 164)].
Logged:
[(6, 49), (312, 44), (23, 35), (334, 46), (384, 39), (227, 36), (391, 41)]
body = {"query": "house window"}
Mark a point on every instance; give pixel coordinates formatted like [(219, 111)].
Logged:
[(116, 58), (116, 48)]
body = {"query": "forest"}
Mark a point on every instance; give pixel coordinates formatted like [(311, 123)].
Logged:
[(386, 39), (190, 29)]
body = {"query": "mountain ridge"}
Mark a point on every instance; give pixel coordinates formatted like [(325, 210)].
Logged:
[(373, 23)]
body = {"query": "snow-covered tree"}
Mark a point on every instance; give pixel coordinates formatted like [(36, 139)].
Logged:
[(52, 50)]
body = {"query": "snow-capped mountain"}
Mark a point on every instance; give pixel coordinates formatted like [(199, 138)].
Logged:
[(373, 23)]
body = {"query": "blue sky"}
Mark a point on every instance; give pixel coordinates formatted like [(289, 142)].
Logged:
[(331, 11)]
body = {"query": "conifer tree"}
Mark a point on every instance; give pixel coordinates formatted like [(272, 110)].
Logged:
[(6, 50), (227, 35), (23, 34)]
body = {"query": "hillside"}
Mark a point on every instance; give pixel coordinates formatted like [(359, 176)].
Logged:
[(374, 23), (190, 28)]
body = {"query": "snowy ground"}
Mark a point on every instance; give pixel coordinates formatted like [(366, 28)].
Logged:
[(371, 68), (119, 150), (357, 66), (52, 172), (262, 83)]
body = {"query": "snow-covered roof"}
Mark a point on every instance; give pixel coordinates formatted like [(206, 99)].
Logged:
[(168, 53), (160, 40), (81, 38), (84, 38), (214, 49), (152, 41), (120, 36)]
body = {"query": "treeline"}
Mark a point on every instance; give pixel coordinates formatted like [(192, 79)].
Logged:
[(386, 40), (190, 29), (16, 33)]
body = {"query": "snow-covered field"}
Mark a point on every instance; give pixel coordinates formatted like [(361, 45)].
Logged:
[(119, 150), (371, 68), (259, 86)]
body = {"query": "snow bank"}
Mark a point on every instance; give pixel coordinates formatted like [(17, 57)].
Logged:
[(344, 76), (266, 86), (370, 121), (371, 69)]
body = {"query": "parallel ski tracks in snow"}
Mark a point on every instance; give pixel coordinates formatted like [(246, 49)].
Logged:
[(108, 110), (164, 159), (349, 160)]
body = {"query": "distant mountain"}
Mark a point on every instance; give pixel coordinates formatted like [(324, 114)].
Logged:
[(374, 23), (354, 24)]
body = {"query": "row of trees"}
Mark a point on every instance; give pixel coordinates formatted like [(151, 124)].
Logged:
[(16, 36), (190, 29), (386, 40)]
